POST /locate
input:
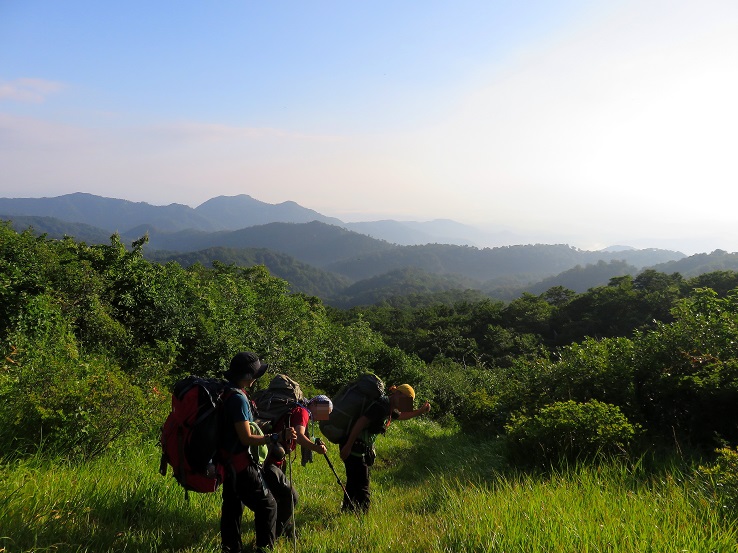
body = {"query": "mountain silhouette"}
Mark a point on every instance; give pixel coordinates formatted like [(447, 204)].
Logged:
[(323, 256)]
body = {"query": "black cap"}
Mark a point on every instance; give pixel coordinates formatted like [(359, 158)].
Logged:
[(245, 364)]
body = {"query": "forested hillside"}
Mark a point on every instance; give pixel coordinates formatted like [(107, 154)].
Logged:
[(94, 335), (396, 284), (301, 277), (701, 263), (502, 273), (315, 243), (56, 228), (582, 278)]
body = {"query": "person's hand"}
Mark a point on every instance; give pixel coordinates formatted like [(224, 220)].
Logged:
[(321, 448), (425, 408), (345, 452), (289, 434)]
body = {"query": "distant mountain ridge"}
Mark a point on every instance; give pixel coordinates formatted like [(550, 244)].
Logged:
[(375, 276), (242, 211), (107, 213), (328, 258), (223, 213)]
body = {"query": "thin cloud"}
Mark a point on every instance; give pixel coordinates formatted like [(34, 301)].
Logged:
[(33, 134), (28, 90), (190, 131)]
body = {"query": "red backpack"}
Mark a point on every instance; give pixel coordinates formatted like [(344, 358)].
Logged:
[(190, 437)]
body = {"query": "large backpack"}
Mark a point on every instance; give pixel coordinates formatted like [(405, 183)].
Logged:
[(281, 396), (349, 404), (190, 436)]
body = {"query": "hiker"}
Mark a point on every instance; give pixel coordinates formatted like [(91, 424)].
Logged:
[(276, 468), (357, 451), (244, 483)]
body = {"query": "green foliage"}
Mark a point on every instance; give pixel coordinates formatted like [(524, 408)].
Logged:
[(686, 373), (580, 279), (398, 283), (94, 335), (303, 278), (719, 481), (722, 282), (569, 430), (77, 319), (593, 369), (53, 398), (450, 391), (528, 314)]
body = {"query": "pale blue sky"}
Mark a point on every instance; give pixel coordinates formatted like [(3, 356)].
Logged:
[(591, 123)]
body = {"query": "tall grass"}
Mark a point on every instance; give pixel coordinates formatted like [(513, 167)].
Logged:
[(434, 490)]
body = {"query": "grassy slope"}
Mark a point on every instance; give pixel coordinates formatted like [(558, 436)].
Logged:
[(434, 491)]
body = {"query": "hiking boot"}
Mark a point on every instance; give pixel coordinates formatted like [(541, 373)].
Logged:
[(286, 531), (287, 534)]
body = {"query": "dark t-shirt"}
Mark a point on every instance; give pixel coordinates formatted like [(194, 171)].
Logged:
[(237, 408), (378, 414)]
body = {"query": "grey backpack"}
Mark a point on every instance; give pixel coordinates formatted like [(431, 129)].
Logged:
[(280, 398), (351, 401)]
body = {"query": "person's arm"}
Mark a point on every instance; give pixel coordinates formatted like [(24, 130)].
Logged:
[(247, 438), (304, 441), (358, 427), (417, 412)]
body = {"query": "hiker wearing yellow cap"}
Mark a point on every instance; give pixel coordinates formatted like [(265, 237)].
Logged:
[(358, 452), (404, 389)]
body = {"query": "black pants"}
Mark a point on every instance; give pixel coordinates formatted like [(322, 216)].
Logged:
[(247, 488), (285, 495), (357, 496)]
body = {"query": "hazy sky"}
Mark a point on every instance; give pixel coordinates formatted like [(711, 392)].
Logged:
[(587, 122)]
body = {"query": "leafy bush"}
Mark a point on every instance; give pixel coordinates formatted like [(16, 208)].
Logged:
[(686, 373), (719, 481), (449, 388), (54, 399), (569, 430), (594, 369)]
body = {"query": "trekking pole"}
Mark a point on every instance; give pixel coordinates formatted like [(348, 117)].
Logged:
[(338, 479), (292, 498)]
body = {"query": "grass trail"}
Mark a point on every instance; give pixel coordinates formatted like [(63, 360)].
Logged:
[(434, 490)]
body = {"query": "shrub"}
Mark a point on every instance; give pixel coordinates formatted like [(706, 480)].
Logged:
[(58, 400), (719, 481), (449, 387), (686, 373), (569, 430)]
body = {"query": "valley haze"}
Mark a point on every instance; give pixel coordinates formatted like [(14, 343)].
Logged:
[(242, 211)]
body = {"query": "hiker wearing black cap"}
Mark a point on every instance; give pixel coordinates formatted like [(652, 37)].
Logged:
[(244, 483), (357, 451)]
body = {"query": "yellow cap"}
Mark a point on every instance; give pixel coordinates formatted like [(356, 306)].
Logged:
[(406, 389)]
